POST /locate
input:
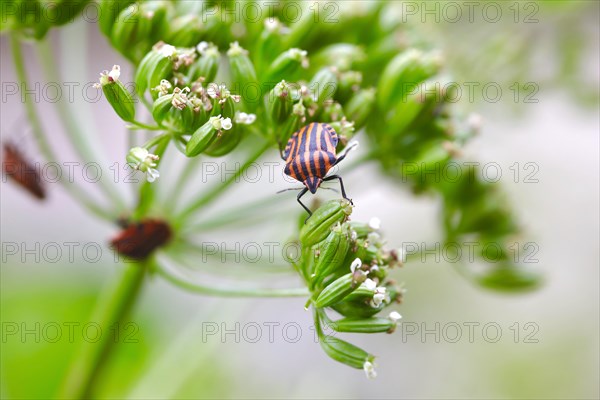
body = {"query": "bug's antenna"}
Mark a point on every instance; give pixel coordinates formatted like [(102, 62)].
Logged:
[(287, 190)]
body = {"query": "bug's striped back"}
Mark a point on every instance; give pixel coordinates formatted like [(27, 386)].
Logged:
[(310, 152)]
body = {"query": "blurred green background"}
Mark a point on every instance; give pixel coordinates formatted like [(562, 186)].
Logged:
[(554, 355)]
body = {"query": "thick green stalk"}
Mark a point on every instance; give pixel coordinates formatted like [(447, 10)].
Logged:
[(43, 143), (111, 310), (75, 132)]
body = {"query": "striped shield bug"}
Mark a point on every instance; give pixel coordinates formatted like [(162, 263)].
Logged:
[(310, 154), (18, 168)]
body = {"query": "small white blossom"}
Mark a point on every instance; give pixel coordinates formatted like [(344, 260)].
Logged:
[(141, 159), (356, 264), (220, 123), (379, 296), (202, 47), (375, 223), (114, 73), (369, 369), (166, 50), (245, 119), (370, 284), (217, 91), (395, 316)]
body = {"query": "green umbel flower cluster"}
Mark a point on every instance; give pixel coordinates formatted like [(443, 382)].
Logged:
[(345, 266)]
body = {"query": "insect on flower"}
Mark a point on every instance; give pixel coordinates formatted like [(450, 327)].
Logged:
[(139, 240), (310, 154), (22, 172)]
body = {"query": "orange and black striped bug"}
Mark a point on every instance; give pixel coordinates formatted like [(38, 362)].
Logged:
[(16, 167), (309, 155)]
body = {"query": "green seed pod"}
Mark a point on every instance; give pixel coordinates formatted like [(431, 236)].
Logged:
[(338, 290), (117, 95), (510, 278), (124, 32), (404, 73), (201, 139), (243, 73), (280, 102), (108, 13), (285, 66), (324, 85), (345, 352), (207, 65), (292, 124), (362, 229), (269, 42), (360, 107), (363, 325), (225, 143), (185, 30), (356, 308), (319, 225), (161, 108), (349, 83), (332, 255), (154, 67)]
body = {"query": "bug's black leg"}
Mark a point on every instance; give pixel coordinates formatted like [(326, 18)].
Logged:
[(339, 178), (302, 193), (341, 157)]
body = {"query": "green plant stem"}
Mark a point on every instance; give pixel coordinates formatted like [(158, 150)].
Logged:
[(141, 125), (217, 190), (43, 144), (226, 292), (111, 310), (74, 131)]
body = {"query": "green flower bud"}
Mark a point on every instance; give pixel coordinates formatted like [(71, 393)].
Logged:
[(292, 124), (185, 30), (242, 72), (324, 85), (340, 55), (404, 73), (339, 289), (349, 83), (280, 102), (345, 352), (156, 66), (332, 254), (510, 278), (206, 135), (364, 325), (270, 42), (207, 64), (108, 13), (360, 107), (286, 65), (319, 225), (161, 108), (117, 95)]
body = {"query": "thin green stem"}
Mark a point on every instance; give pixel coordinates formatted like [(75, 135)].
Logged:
[(74, 131), (226, 292), (141, 125), (43, 143), (217, 190), (111, 310)]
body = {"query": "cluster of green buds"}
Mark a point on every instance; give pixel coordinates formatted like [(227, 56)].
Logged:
[(34, 18), (345, 266)]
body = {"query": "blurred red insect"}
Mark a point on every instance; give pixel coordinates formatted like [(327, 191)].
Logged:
[(139, 240), (22, 172)]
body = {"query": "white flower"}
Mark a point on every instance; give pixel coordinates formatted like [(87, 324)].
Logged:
[(369, 369), (220, 123), (166, 50), (202, 47), (375, 223), (245, 119), (370, 284), (356, 264), (395, 316), (152, 175), (217, 91), (379, 296), (141, 159), (114, 73)]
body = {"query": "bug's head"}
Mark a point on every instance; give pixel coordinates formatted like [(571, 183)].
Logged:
[(312, 183)]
